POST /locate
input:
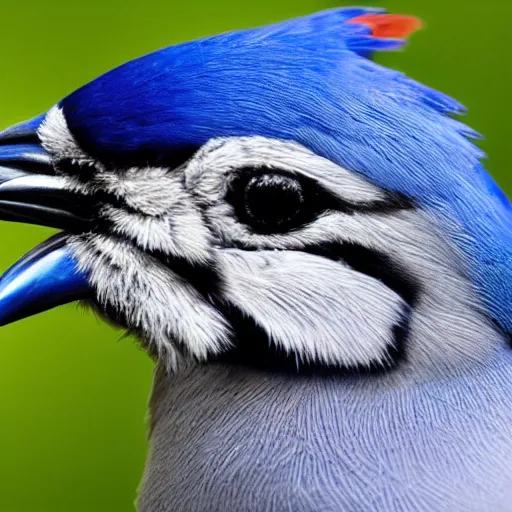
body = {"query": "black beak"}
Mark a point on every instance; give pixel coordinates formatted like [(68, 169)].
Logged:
[(30, 192)]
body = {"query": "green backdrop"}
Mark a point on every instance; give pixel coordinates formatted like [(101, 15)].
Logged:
[(73, 393)]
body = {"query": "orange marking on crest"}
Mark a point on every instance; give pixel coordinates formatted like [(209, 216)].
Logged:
[(393, 26)]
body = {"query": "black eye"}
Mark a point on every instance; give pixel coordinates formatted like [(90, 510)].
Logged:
[(273, 201), (269, 202)]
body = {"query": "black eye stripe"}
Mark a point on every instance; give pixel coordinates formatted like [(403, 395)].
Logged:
[(82, 173), (315, 199)]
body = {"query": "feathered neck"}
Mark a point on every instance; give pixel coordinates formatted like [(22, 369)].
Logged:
[(230, 438)]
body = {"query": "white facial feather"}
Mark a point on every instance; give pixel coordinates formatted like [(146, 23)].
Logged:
[(313, 307), (318, 309), (153, 191), (183, 236), (163, 216), (163, 308), (59, 141)]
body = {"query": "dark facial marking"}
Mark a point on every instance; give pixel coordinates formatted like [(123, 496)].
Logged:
[(204, 278), (372, 263), (253, 348), (274, 201)]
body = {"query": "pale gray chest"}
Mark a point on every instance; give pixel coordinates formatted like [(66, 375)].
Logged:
[(230, 439)]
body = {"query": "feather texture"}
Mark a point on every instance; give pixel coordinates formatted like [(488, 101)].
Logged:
[(227, 438)]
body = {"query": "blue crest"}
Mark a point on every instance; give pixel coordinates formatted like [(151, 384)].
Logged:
[(308, 80)]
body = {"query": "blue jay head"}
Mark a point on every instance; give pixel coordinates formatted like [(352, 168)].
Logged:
[(267, 195)]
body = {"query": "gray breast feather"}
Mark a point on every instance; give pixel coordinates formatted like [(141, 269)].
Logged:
[(230, 439)]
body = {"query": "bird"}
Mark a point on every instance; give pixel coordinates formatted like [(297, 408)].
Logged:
[(308, 245)]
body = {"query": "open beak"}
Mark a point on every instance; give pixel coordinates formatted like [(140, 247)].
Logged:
[(30, 192)]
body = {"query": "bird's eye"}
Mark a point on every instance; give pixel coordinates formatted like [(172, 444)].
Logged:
[(269, 202)]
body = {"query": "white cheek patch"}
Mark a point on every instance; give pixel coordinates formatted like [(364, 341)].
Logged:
[(159, 305), (320, 310)]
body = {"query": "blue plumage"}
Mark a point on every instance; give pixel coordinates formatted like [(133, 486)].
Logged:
[(307, 80)]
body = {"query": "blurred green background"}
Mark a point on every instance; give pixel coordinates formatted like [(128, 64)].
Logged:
[(73, 393)]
